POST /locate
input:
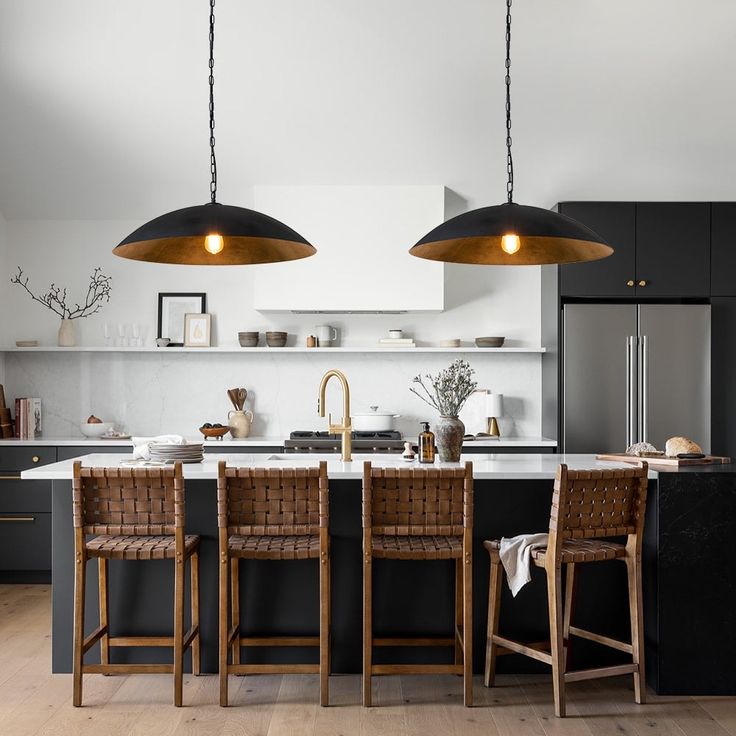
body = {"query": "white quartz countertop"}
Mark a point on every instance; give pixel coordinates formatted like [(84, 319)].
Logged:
[(485, 466), (254, 441)]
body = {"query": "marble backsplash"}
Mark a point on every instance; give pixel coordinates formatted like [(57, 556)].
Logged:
[(153, 393)]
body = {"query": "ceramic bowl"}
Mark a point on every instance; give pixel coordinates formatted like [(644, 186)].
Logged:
[(276, 339), (95, 430), (248, 339), (489, 342)]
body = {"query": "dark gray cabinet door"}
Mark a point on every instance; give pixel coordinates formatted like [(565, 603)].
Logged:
[(673, 249), (723, 249), (723, 369), (616, 222)]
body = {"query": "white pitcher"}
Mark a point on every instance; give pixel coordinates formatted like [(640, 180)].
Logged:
[(239, 423)]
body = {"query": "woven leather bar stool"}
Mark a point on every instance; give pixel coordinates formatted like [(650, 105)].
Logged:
[(587, 507), (272, 514), (420, 514), (137, 514)]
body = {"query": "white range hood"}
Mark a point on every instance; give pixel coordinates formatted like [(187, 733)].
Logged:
[(362, 235)]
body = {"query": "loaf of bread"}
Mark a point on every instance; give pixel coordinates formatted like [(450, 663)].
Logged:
[(640, 448), (677, 445)]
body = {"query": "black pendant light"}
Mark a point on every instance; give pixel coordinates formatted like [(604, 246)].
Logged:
[(511, 234), (214, 234)]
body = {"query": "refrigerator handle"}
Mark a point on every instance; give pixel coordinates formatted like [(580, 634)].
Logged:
[(643, 390), (630, 410)]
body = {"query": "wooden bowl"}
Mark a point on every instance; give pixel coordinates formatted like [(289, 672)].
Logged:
[(217, 432)]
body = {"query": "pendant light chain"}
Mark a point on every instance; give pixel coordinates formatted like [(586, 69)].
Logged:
[(509, 158), (213, 160)]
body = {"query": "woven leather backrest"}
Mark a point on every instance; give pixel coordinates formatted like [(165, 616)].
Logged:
[(418, 501), (140, 501), (272, 501), (599, 503)]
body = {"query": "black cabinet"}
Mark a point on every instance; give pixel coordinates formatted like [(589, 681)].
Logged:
[(25, 516), (723, 369), (723, 249), (673, 249), (661, 249), (609, 277)]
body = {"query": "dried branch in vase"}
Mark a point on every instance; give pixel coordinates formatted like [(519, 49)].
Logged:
[(448, 390), (55, 298)]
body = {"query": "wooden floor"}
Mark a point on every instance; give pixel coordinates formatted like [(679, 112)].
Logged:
[(32, 701)]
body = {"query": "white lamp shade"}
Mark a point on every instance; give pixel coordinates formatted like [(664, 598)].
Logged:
[(495, 405)]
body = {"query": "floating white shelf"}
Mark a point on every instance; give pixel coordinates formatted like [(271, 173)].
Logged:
[(273, 351)]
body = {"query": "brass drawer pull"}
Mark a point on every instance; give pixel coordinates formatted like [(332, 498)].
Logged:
[(642, 282), (36, 458), (630, 282), (17, 518), (10, 477)]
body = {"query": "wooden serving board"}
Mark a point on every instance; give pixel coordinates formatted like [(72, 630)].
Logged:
[(672, 462)]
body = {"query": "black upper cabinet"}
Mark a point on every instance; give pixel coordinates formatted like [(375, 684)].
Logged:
[(616, 223), (661, 249), (673, 249), (723, 249)]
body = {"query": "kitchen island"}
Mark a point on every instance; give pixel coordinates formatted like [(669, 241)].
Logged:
[(688, 587)]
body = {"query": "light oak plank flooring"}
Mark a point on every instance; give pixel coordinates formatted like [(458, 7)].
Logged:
[(35, 703)]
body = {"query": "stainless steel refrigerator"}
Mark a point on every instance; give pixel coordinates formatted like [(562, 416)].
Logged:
[(634, 373)]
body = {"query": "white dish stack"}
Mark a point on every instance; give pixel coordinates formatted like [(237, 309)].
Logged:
[(165, 452)]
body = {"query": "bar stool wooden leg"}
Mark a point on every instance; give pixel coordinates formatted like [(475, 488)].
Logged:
[(468, 630), (633, 568), (104, 605), (235, 607), (222, 609), (194, 571), (324, 629), (570, 591), (178, 630), (554, 599), (494, 609), (458, 610), (79, 586), (367, 628)]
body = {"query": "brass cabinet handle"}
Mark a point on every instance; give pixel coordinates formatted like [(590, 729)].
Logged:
[(36, 458), (630, 282), (642, 282), (10, 477), (17, 518)]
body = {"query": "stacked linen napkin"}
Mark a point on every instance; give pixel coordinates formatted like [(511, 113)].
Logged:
[(516, 556), (142, 445)]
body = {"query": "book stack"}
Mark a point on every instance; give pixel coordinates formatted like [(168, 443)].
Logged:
[(28, 418), (397, 342)]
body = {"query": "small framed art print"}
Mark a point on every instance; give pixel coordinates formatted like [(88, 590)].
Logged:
[(197, 330)]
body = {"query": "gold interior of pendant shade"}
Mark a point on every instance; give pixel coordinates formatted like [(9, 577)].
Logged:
[(534, 250), (237, 250)]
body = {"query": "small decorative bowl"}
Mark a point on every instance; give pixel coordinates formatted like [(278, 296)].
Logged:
[(451, 343), (95, 429), (162, 342), (248, 339), (214, 432), (276, 339), (489, 342)]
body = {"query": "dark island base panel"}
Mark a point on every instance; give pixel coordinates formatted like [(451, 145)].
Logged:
[(686, 653)]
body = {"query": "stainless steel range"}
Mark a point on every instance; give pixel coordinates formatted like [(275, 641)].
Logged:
[(306, 441)]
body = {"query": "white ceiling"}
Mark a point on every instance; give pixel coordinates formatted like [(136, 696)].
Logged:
[(103, 107)]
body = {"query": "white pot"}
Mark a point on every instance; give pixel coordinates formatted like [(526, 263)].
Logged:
[(374, 421)]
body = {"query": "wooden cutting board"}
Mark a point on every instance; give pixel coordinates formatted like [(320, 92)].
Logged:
[(671, 462)]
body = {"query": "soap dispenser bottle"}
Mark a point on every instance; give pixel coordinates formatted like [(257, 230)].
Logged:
[(426, 444)]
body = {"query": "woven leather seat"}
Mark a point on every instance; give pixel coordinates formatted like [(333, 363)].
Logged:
[(129, 547), (292, 547), (573, 550), (411, 547)]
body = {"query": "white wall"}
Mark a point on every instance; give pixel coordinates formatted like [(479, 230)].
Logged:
[(152, 393)]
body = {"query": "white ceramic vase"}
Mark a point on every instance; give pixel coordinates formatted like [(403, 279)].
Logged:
[(67, 335), (239, 423)]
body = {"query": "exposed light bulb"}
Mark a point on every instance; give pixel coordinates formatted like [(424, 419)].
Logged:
[(214, 244), (510, 244)]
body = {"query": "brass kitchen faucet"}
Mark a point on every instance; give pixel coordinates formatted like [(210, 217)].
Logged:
[(346, 428)]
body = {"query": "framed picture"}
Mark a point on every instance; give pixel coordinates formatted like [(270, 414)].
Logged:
[(171, 311), (197, 330)]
